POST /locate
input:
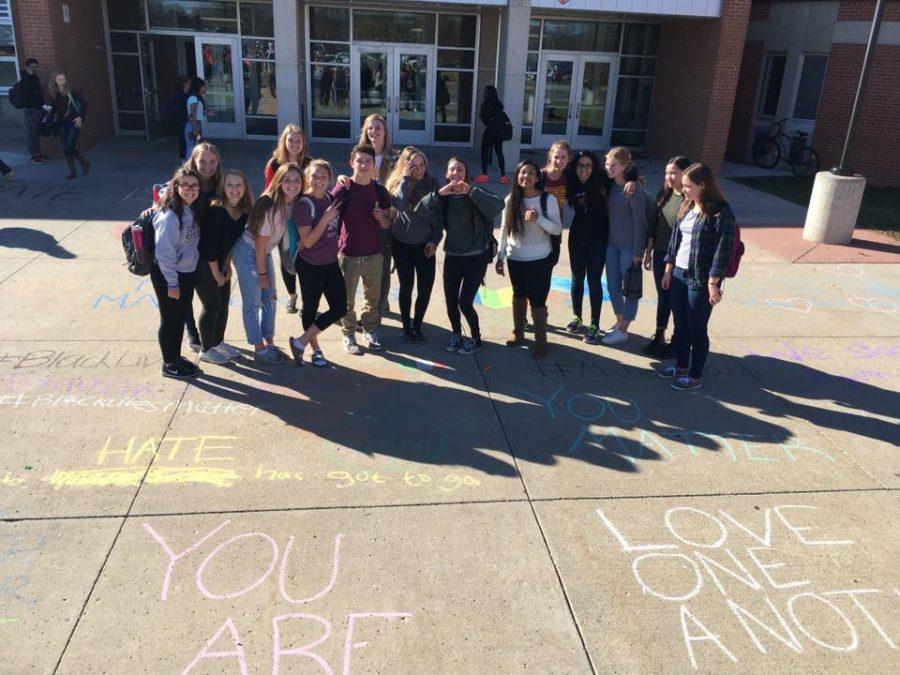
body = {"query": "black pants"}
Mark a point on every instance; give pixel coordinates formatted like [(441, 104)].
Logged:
[(531, 280), (463, 275), (413, 268), (488, 143), (214, 315), (663, 297), (172, 313), (691, 311), (587, 258), (290, 280), (316, 281)]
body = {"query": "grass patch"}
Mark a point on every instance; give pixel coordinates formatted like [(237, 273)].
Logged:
[(880, 208)]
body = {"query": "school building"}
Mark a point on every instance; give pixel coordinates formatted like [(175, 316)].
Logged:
[(664, 77)]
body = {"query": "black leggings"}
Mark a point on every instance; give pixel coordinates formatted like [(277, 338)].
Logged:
[(663, 297), (413, 267), (463, 275), (587, 258), (172, 312), (215, 299), (488, 143), (290, 280), (316, 281), (531, 280)]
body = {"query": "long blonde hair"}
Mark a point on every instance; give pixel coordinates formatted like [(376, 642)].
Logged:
[(281, 155), (384, 171), (191, 163), (558, 145), (272, 198), (54, 89), (245, 205), (396, 177)]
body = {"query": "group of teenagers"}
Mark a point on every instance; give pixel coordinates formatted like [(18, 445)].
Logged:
[(333, 233)]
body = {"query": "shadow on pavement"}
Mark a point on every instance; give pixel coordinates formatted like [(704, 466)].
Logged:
[(33, 240)]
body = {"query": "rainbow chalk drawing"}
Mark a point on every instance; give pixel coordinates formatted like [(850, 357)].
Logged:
[(500, 298)]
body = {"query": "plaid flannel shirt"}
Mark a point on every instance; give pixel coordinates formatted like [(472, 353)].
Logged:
[(711, 246)]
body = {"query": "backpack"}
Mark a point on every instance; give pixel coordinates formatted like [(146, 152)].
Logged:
[(502, 127), (737, 252), (494, 244), (139, 243), (16, 97), (555, 239)]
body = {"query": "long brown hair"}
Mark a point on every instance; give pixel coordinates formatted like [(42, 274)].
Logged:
[(281, 155), (514, 216), (54, 89), (245, 205), (393, 182), (172, 201), (272, 198), (712, 199), (682, 163), (385, 169)]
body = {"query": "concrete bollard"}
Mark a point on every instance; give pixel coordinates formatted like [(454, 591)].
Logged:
[(833, 208)]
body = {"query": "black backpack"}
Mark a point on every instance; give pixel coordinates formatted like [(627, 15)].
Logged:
[(502, 128), (139, 242), (555, 239), (16, 96)]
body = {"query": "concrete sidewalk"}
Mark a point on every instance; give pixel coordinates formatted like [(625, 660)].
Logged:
[(417, 511)]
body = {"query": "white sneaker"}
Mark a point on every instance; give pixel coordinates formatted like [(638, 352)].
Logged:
[(615, 337), (213, 356), (228, 351)]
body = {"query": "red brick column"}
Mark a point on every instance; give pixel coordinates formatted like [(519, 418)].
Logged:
[(694, 88), (77, 48), (743, 115)]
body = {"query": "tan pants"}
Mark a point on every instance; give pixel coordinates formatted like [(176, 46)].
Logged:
[(368, 269)]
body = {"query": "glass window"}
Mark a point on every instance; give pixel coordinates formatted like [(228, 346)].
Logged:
[(639, 66), (448, 134), (131, 121), (259, 88), (261, 126), (534, 35), (458, 97), (632, 103), (9, 73), (528, 103), (581, 36), (811, 78), (772, 79), (331, 92), (456, 58), (7, 45), (330, 129), (256, 19), (628, 137), (210, 16), (123, 42), (456, 31), (382, 26), (329, 23), (531, 62), (641, 39), (326, 52), (258, 49), (127, 77), (126, 14)]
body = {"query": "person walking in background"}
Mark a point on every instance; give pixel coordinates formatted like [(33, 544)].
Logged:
[(466, 214), (32, 104), (414, 240), (178, 107), (627, 239), (668, 205), (196, 114), (68, 108), (492, 116), (530, 218), (699, 253)]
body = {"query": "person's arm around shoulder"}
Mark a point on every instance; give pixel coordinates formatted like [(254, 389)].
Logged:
[(637, 208)]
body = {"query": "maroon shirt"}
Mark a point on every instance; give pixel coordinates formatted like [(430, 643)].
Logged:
[(359, 229)]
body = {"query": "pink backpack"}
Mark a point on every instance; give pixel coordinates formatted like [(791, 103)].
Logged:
[(737, 252)]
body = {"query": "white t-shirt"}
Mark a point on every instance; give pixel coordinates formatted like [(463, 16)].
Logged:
[(686, 226), (273, 226), (201, 112)]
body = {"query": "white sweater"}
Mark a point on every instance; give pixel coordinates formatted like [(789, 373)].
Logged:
[(533, 242)]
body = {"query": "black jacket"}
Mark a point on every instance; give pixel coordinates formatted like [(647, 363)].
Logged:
[(31, 91), (489, 114)]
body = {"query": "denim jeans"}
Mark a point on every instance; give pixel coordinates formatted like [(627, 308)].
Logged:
[(618, 262), (691, 311), (258, 305), (68, 136), (663, 298)]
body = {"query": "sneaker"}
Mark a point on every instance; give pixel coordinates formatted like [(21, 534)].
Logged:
[(669, 372), (350, 345), (574, 325), (194, 342), (194, 368), (228, 351), (481, 179), (419, 337), (268, 355), (409, 337), (177, 371), (504, 180), (374, 342), (592, 337), (656, 344), (297, 349), (318, 359), (291, 305), (686, 384), (615, 337), (214, 356), (470, 346), (454, 343)]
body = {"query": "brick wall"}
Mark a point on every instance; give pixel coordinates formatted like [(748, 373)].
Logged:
[(743, 116), (694, 90), (864, 10), (875, 148), (78, 48)]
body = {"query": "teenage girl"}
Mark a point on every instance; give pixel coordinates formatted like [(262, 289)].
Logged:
[(291, 148), (223, 225), (525, 242), (69, 110), (668, 204), (253, 260), (318, 222), (174, 269), (466, 213), (553, 175), (196, 114), (414, 240), (698, 254)]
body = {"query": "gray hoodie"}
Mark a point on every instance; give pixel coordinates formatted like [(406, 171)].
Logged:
[(409, 227), (176, 245), (627, 219)]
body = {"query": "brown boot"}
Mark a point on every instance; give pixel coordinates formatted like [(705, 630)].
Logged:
[(85, 165), (70, 161), (539, 316), (520, 311)]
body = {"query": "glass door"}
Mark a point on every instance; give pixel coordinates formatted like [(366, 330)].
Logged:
[(218, 64), (556, 77), (372, 84), (153, 124), (411, 110), (593, 108)]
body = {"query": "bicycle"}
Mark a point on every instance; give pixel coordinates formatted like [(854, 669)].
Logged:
[(768, 150)]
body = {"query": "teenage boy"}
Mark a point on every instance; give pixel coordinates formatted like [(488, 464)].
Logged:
[(32, 108), (365, 210)]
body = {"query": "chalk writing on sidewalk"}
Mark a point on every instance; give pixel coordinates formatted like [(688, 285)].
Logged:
[(63, 358), (701, 549)]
